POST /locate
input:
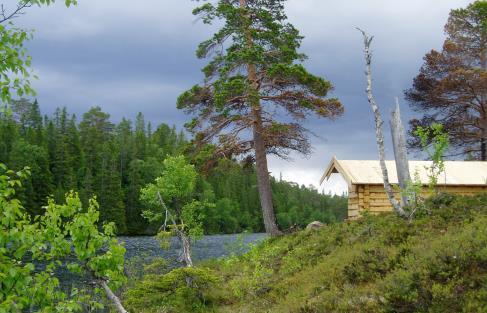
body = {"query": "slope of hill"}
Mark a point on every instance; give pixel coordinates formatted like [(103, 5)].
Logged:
[(437, 263)]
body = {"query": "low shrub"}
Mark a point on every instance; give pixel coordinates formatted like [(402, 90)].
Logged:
[(180, 290)]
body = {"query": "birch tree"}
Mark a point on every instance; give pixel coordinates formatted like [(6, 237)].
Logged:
[(65, 237), (172, 203)]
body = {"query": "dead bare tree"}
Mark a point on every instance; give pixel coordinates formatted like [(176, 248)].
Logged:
[(378, 127), (400, 151)]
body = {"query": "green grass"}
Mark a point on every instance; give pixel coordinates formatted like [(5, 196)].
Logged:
[(438, 263)]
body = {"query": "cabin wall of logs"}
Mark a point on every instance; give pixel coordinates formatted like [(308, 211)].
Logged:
[(373, 197)]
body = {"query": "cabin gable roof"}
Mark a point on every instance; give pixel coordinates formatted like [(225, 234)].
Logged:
[(361, 172)]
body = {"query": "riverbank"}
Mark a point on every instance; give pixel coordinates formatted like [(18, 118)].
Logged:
[(437, 263)]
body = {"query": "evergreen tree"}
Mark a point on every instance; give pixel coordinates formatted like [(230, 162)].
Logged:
[(75, 156), (134, 207), (110, 194), (125, 142), (62, 172), (140, 137), (38, 186), (255, 75), (8, 133), (87, 190), (36, 136), (97, 159), (451, 87), (95, 130)]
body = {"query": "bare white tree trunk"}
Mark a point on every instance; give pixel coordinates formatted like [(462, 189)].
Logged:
[(400, 151), (378, 127), (113, 298)]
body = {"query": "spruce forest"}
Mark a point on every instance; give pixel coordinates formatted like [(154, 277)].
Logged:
[(97, 157)]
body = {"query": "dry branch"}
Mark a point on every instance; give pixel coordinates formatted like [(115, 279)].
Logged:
[(113, 297)]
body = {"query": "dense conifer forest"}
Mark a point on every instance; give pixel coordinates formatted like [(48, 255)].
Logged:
[(113, 161)]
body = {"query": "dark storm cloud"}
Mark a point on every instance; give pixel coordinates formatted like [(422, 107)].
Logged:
[(130, 56)]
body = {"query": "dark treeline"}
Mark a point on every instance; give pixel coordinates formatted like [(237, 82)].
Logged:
[(94, 156)]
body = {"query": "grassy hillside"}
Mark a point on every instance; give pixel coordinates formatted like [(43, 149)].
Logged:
[(438, 263)]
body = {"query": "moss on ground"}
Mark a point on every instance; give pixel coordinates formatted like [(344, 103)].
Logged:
[(437, 263)]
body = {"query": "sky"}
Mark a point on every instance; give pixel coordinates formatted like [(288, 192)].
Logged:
[(131, 56)]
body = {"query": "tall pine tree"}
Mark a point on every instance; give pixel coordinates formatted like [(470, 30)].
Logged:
[(255, 74)]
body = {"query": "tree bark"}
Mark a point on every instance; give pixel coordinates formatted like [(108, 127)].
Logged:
[(263, 181), (483, 113), (378, 128), (186, 249), (400, 151), (185, 243), (113, 297), (483, 99), (483, 139), (265, 191)]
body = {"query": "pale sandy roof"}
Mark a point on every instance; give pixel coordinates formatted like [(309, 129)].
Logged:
[(368, 172)]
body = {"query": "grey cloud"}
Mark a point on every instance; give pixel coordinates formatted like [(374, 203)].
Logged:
[(130, 56)]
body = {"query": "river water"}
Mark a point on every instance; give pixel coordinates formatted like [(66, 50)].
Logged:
[(145, 249), (142, 250)]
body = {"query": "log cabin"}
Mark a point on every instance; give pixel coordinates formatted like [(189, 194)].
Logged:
[(366, 186)]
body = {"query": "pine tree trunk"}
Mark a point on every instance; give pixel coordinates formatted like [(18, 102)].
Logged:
[(265, 191), (483, 138), (483, 113)]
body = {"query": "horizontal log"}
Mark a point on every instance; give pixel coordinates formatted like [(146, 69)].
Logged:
[(479, 189), (380, 194), (381, 209), (379, 201)]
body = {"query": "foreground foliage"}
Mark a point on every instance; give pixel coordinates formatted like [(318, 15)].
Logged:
[(65, 237), (436, 263)]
